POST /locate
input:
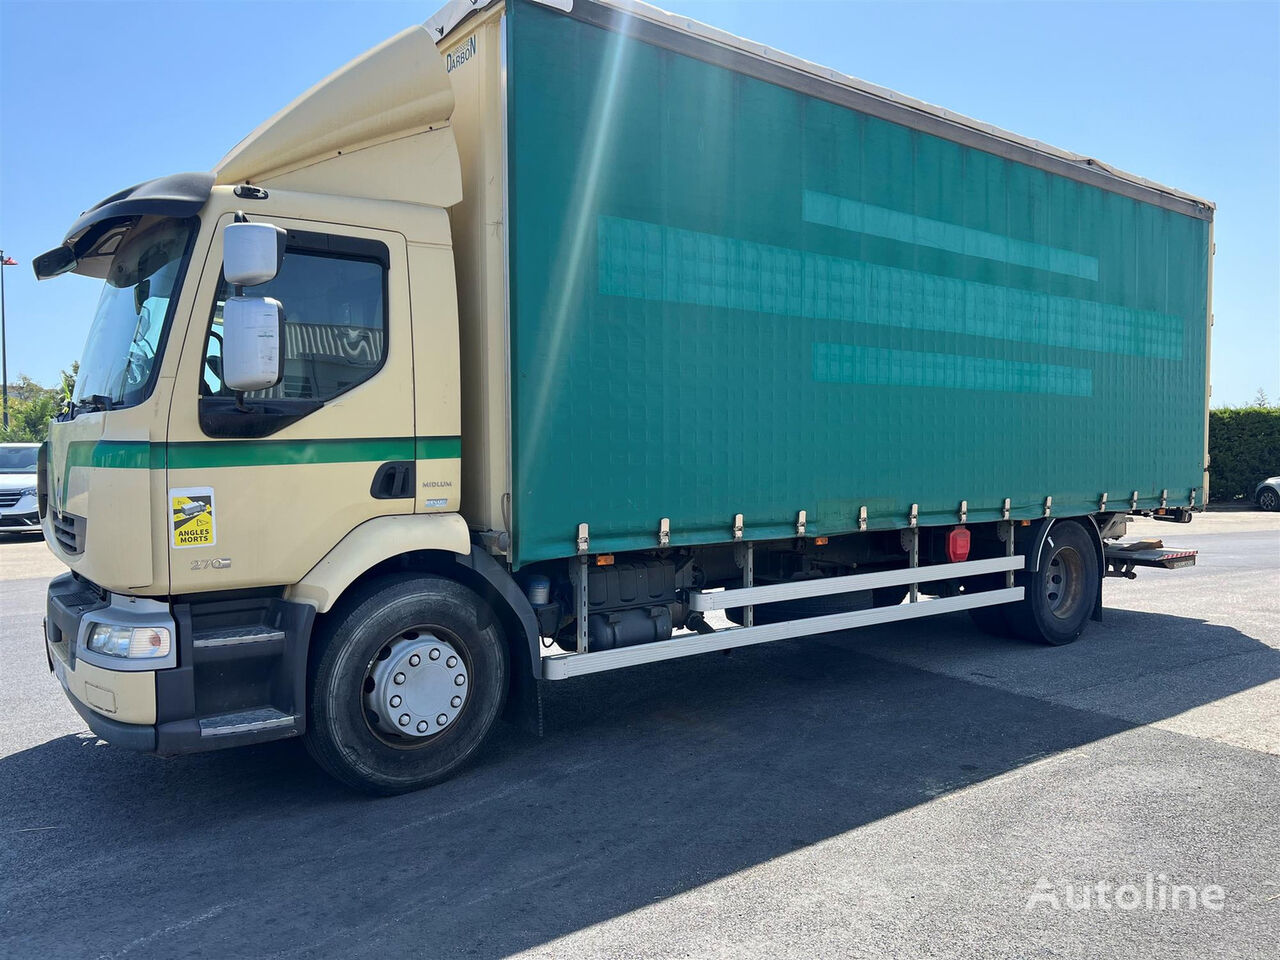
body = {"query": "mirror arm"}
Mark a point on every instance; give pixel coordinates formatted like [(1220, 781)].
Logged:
[(238, 291)]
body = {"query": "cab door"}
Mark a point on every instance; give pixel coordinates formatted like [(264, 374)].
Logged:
[(260, 487)]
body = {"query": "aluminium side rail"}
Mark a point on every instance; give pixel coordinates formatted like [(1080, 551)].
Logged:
[(564, 666)]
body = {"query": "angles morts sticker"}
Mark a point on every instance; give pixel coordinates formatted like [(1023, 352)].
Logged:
[(191, 517)]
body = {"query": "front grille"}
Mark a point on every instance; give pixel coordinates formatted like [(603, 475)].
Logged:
[(69, 531), (82, 598), (9, 498)]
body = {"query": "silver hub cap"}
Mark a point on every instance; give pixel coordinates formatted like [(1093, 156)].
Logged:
[(1063, 583), (419, 689)]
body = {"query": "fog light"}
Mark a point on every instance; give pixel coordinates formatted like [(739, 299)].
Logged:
[(131, 643)]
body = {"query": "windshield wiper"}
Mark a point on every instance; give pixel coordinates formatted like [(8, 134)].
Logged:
[(89, 404)]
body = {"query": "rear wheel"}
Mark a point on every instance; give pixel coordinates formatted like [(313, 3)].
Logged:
[(404, 685), (1268, 499), (1061, 594)]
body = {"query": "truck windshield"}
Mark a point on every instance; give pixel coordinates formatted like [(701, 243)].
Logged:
[(127, 335)]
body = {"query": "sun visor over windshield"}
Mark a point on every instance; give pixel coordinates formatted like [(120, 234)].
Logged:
[(88, 245)]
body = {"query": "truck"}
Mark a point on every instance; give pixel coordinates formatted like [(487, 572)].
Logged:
[(555, 337)]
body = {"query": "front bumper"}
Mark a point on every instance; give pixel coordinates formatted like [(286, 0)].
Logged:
[(121, 703), (14, 519), (179, 708), (131, 736)]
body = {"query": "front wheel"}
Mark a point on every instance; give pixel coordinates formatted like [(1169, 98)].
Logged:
[(1059, 597), (1268, 499), (404, 684)]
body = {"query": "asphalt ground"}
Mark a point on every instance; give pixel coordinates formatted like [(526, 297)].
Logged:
[(912, 790)]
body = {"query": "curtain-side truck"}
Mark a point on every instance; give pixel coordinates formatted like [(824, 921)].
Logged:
[(554, 337)]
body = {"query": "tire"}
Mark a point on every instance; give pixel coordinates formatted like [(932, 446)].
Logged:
[(1268, 500), (1060, 595), (389, 617)]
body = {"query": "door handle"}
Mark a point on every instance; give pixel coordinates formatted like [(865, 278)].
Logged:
[(394, 480)]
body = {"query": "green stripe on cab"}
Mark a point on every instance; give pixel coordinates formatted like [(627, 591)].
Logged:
[(142, 455)]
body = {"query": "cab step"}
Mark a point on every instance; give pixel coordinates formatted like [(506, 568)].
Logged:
[(234, 636), (236, 643), (259, 720)]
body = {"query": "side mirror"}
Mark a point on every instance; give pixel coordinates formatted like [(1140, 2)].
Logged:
[(251, 252), (57, 261), (252, 343)]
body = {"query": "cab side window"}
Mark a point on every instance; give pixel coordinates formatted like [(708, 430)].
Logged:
[(334, 292)]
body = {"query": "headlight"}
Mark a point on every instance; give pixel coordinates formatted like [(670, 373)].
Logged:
[(27, 492), (133, 643)]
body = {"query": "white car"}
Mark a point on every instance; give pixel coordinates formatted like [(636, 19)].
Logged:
[(1267, 496), (18, 509)]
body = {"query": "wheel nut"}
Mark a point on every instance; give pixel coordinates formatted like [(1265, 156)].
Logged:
[(398, 678), (435, 653), (395, 701), (422, 726), (404, 719), (456, 702), (442, 719), (451, 662), (459, 680), (415, 660)]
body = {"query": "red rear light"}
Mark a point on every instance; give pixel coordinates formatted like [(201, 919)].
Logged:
[(958, 544)]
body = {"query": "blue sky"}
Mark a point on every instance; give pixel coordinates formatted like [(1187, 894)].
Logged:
[(98, 96)]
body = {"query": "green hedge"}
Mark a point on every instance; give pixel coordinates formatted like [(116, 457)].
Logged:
[(1244, 448)]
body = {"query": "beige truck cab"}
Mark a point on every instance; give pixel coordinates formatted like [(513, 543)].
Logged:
[(207, 520)]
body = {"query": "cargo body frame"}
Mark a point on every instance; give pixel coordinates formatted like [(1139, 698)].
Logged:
[(765, 289)]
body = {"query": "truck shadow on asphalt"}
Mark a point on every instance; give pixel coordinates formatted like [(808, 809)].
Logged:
[(648, 783)]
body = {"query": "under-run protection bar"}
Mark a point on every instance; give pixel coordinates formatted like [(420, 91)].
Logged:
[(704, 600), (577, 664), (564, 666)]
